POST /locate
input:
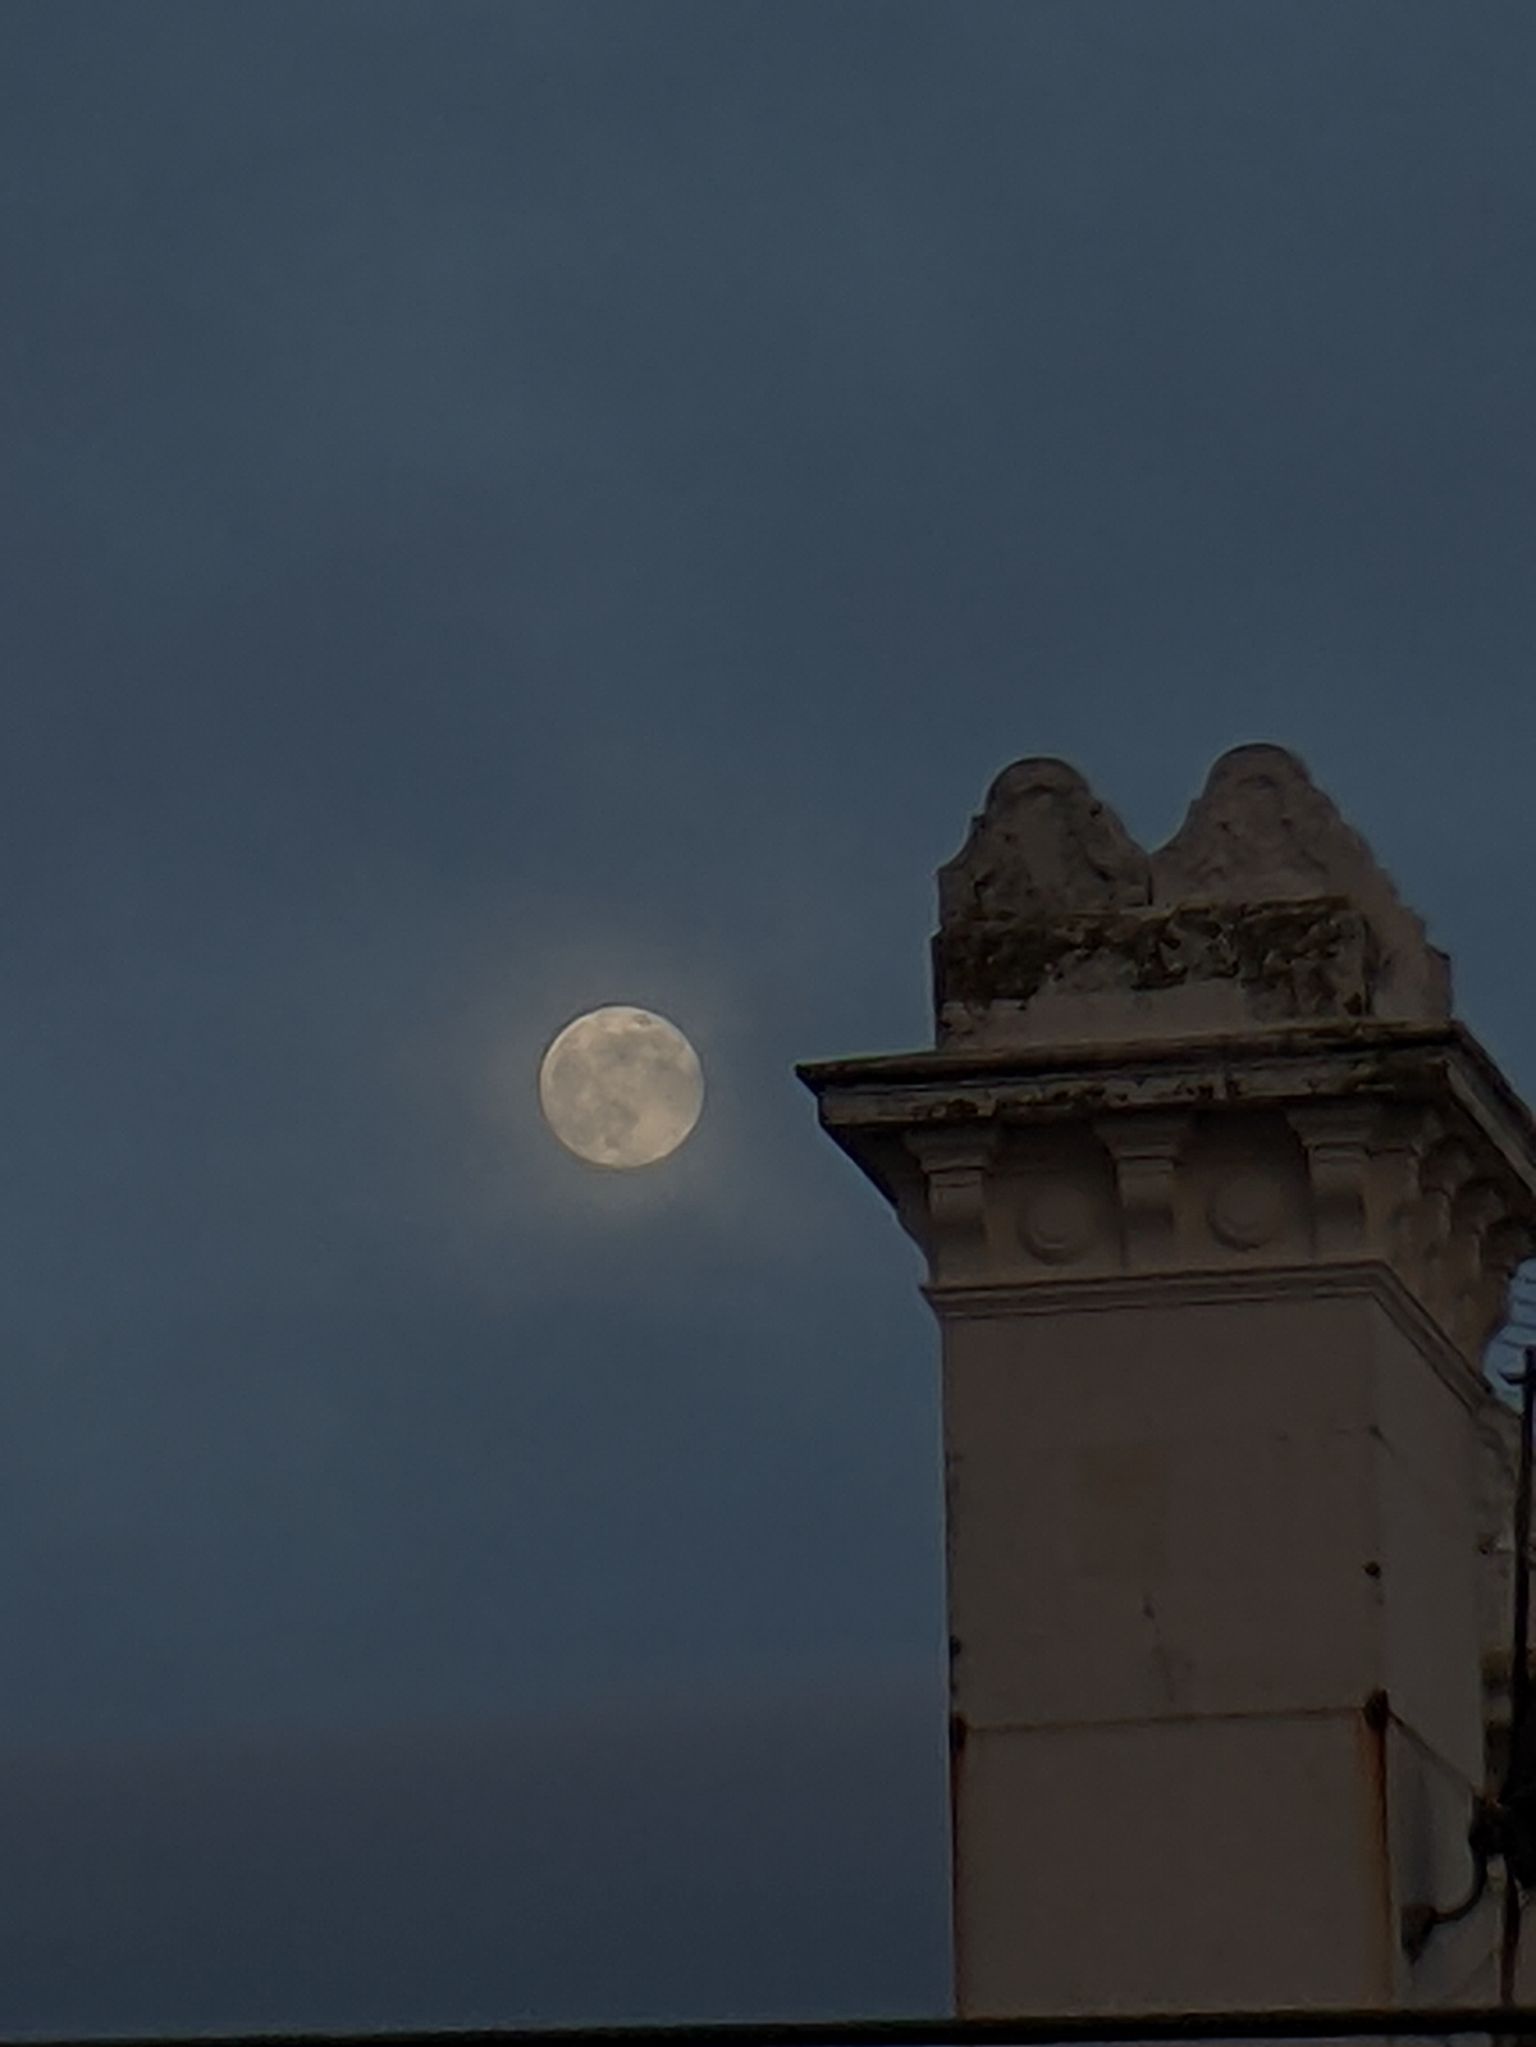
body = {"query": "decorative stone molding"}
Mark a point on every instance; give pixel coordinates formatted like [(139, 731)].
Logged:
[(1246, 1210), (1337, 1138), (1461, 1233), (1058, 1222), (1403, 1133), (1146, 1152), (1445, 1165), (1261, 831), (1395, 1146), (956, 1216), (1044, 843), (1350, 1279), (1264, 910)]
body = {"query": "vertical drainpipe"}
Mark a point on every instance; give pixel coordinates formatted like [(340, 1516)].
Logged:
[(1377, 1718), (957, 1733)]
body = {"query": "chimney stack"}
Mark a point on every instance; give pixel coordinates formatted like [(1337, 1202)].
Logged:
[(1219, 1206)]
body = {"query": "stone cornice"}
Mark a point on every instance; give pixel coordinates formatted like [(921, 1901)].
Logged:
[(1292, 1063), (1413, 1062), (1399, 1146)]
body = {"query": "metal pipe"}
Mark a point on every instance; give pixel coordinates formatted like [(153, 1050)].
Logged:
[(1517, 1769)]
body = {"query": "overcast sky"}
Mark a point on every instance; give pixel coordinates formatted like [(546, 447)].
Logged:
[(511, 507)]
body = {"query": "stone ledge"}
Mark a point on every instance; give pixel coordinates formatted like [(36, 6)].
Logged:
[(1397, 1144)]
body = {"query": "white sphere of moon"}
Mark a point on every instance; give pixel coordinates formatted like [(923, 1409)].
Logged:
[(621, 1087)]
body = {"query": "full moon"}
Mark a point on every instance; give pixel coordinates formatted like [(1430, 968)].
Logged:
[(621, 1087)]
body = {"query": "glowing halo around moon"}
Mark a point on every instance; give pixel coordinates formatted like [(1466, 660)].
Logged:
[(621, 1087)]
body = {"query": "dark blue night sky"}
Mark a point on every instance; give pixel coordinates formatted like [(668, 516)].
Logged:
[(510, 507)]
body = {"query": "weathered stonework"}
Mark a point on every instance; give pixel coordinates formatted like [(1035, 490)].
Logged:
[(1265, 909), (1398, 1147), (1219, 1206)]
